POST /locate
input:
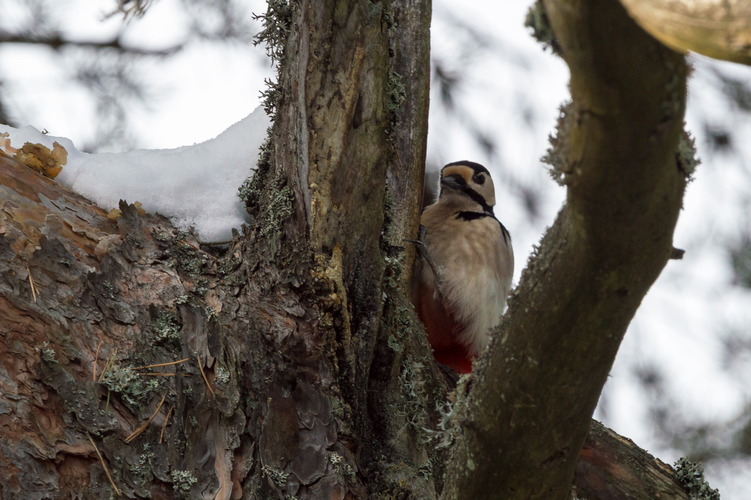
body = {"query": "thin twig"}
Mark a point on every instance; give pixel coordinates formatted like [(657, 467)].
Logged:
[(106, 470), (196, 248), (161, 364), (144, 425), (200, 366), (33, 288), (109, 361), (157, 374), (56, 42), (107, 406), (96, 358), (166, 419), (216, 243)]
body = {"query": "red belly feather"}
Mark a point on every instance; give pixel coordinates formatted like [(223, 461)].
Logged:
[(443, 332)]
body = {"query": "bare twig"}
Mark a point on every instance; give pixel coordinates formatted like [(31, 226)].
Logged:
[(57, 42), (161, 364), (200, 367), (96, 359), (166, 419), (109, 362), (106, 470), (144, 425), (196, 248), (33, 288), (157, 374)]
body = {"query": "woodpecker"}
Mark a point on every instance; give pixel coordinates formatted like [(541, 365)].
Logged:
[(464, 276)]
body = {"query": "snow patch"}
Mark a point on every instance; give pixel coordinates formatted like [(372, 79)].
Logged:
[(192, 185)]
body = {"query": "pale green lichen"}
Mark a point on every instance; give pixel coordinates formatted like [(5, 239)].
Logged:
[(46, 352), (445, 433), (132, 387), (166, 328), (395, 344), (396, 91), (202, 287), (341, 467), (537, 20), (277, 209), (276, 23), (556, 156), (413, 395), (252, 188), (182, 481), (390, 19), (686, 156), (277, 476), (142, 471), (222, 375), (337, 407), (691, 476)]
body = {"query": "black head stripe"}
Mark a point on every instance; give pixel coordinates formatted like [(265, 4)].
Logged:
[(477, 197), (474, 166), (471, 215)]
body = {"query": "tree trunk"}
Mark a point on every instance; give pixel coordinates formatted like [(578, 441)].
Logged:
[(318, 378), (291, 365), (534, 392)]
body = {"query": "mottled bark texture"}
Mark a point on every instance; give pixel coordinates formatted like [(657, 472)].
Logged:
[(349, 139), (526, 416), (612, 467), (318, 378)]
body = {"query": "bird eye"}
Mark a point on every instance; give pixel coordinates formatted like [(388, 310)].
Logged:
[(480, 179)]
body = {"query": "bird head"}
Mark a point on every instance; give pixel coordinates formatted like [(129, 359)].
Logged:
[(469, 179)]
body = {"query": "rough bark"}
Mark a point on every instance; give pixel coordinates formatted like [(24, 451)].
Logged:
[(319, 381), (98, 281), (531, 399), (612, 467), (350, 140)]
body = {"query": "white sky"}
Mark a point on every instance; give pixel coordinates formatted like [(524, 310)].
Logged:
[(514, 98)]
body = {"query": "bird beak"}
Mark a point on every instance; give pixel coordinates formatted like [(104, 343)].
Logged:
[(454, 181)]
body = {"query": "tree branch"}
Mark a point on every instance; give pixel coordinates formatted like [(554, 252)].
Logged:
[(57, 42), (533, 394), (714, 28), (612, 467)]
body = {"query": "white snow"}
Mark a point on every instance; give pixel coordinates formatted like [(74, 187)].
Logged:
[(192, 185)]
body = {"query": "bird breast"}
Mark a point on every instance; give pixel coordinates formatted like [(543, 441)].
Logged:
[(475, 264)]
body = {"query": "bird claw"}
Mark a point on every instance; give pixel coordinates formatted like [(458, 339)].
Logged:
[(422, 249)]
